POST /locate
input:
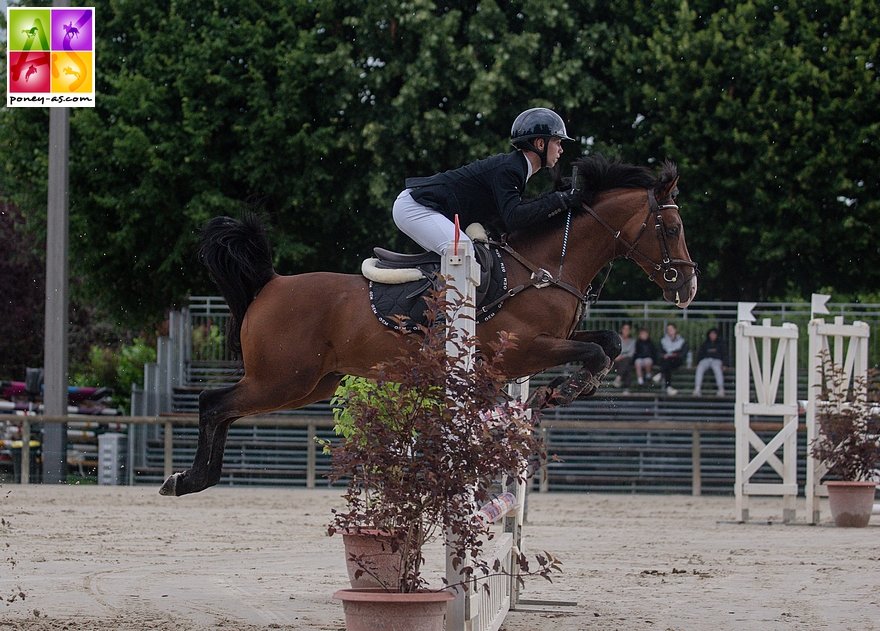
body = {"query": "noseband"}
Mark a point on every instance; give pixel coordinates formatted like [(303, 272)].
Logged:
[(668, 266)]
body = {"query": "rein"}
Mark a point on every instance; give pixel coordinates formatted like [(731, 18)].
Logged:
[(542, 278)]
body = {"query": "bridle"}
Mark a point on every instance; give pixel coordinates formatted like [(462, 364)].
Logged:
[(674, 279), (542, 278)]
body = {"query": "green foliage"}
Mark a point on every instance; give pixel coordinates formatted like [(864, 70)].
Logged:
[(354, 392), (318, 110), (22, 296), (208, 342), (116, 368), (762, 104)]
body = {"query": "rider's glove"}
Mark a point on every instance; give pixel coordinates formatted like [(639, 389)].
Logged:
[(567, 199)]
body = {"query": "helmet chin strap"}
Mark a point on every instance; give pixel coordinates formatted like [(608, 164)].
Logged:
[(541, 153)]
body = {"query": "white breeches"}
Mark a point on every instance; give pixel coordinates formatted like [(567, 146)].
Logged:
[(705, 364), (425, 226)]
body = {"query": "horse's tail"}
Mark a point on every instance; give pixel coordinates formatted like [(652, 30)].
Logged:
[(239, 260)]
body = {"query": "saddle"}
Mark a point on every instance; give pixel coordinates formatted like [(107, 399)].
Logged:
[(399, 282)]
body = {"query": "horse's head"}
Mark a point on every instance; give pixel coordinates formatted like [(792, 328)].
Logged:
[(647, 228), (669, 263)]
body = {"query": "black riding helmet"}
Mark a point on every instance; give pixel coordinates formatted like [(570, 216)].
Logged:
[(538, 122)]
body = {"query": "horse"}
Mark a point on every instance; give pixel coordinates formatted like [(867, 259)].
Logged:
[(299, 335)]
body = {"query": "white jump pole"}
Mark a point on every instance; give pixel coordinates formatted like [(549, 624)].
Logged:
[(462, 271)]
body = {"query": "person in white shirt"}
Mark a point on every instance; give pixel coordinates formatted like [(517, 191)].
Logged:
[(673, 349), (624, 363)]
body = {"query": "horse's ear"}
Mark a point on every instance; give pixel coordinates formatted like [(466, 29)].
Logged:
[(669, 189)]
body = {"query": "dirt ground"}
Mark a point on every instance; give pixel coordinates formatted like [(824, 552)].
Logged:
[(125, 558)]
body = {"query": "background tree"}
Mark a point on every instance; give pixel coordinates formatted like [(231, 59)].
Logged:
[(22, 296), (317, 110), (770, 110)]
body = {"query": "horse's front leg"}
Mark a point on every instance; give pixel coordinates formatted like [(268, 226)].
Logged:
[(608, 340), (610, 343), (554, 352)]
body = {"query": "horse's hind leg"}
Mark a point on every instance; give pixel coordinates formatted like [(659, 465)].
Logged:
[(215, 417), (218, 410)]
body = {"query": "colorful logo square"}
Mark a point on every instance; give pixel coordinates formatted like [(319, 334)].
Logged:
[(28, 29), (72, 29), (51, 57), (29, 72)]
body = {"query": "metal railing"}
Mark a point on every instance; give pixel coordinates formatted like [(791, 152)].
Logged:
[(696, 429), (311, 423), (695, 321), (208, 316)]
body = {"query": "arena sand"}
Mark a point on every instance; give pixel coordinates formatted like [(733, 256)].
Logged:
[(83, 558)]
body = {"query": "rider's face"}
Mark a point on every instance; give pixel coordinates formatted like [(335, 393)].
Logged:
[(554, 150)]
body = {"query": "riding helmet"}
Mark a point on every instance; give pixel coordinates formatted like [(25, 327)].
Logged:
[(537, 122)]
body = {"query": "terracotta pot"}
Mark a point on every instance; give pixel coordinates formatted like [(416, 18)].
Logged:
[(375, 609), (851, 503), (374, 548)]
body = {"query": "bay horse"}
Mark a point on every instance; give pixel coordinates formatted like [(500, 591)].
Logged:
[(299, 335)]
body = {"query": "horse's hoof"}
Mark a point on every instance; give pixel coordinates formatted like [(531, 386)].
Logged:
[(169, 487)]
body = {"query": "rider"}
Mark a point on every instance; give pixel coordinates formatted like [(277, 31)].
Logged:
[(488, 191)]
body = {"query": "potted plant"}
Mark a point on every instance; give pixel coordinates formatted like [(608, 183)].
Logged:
[(372, 555), (848, 443), (421, 456)]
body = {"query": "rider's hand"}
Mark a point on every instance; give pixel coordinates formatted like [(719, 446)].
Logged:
[(567, 199)]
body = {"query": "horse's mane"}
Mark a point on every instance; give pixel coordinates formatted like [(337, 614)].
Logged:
[(597, 174)]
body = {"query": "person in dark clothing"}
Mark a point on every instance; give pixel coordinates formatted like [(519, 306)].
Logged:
[(712, 354), (644, 356), (488, 191)]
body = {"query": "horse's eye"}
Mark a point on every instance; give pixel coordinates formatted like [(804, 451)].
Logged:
[(672, 231)]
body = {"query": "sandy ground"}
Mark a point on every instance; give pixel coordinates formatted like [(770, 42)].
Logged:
[(123, 558)]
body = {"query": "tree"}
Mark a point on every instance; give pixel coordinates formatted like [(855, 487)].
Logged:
[(765, 107), (22, 292), (317, 110)]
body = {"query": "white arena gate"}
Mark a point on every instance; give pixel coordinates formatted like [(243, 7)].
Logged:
[(845, 345), (478, 609)]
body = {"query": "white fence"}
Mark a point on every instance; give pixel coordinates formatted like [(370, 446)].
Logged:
[(478, 608)]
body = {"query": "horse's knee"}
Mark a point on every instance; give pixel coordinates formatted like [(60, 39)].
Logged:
[(612, 344), (595, 358), (609, 341)]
